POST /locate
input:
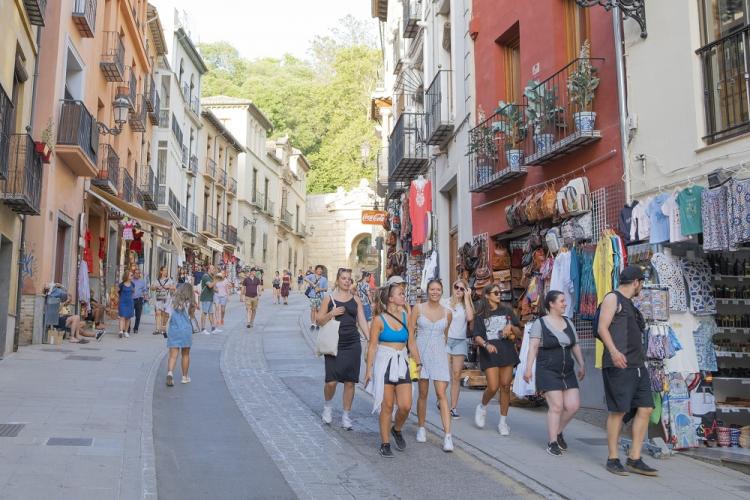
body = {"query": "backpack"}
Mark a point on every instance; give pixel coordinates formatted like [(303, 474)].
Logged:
[(595, 321)]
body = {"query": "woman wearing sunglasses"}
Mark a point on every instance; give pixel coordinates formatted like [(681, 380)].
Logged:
[(495, 330), (342, 306), (462, 310)]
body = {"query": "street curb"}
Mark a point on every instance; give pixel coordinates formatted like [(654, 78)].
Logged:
[(148, 454), (475, 452)]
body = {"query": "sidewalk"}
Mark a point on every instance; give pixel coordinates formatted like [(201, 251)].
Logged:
[(97, 398)]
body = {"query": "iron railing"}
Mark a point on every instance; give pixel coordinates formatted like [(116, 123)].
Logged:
[(184, 218), (232, 186), (6, 128), (155, 114), (147, 189), (108, 177), (127, 186), (726, 85), (84, 17), (259, 200), (22, 189), (193, 165), (194, 226), (163, 118), (185, 158), (150, 92), (221, 180), (174, 204), (408, 150), (269, 207), (195, 105), (186, 92), (210, 225), (77, 127), (129, 91), (138, 116), (176, 130), (412, 14), (230, 235), (113, 57), (210, 170), (287, 218), (35, 10), (439, 107)]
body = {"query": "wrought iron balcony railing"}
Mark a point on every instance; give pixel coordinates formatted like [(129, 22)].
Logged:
[(108, 178), (287, 218), (129, 90), (210, 170), (155, 114), (84, 17), (35, 10), (138, 116), (230, 235), (232, 186), (412, 15), (22, 189), (408, 150), (210, 225), (185, 156), (6, 128), (221, 180), (163, 118), (127, 186), (113, 57), (259, 200), (439, 108), (194, 226), (78, 138), (147, 188), (193, 165)]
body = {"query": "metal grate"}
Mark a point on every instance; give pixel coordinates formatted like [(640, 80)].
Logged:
[(10, 430), (62, 441), (606, 204), (75, 357), (585, 331)]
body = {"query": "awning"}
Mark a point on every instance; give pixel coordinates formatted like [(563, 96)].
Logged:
[(132, 211), (215, 245)]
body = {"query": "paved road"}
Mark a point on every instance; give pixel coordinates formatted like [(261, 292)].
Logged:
[(256, 431)]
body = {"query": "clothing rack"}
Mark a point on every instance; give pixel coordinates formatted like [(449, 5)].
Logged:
[(742, 167)]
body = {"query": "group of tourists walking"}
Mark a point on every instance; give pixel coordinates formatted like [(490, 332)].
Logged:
[(429, 342)]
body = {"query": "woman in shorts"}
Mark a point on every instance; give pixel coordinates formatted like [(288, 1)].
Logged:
[(163, 288), (462, 310), (276, 288), (220, 297)]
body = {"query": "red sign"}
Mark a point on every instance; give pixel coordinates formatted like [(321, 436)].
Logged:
[(374, 217)]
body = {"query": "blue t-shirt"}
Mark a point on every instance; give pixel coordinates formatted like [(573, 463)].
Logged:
[(690, 205), (322, 284), (659, 222)]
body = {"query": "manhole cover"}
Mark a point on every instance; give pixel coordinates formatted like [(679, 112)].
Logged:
[(126, 350), (594, 441), (10, 430), (60, 441), (75, 357)]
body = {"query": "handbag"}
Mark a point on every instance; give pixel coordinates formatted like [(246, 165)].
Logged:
[(549, 203), (500, 258), (328, 337), (310, 292)]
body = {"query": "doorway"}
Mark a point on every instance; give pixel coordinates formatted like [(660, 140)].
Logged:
[(453, 254), (6, 260), (62, 247)]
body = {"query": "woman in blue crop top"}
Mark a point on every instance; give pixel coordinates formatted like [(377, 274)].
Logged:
[(387, 366)]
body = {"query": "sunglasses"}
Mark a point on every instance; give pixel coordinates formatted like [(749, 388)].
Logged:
[(494, 292), (344, 270), (459, 287)]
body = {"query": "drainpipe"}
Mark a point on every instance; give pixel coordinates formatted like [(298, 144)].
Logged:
[(22, 242), (622, 97)]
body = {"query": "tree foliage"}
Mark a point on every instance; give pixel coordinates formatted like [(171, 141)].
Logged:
[(321, 103)]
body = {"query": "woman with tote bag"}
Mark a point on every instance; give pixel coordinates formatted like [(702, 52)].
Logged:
[(342, 366)]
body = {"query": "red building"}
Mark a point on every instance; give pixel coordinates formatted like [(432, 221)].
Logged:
[(540, 40)]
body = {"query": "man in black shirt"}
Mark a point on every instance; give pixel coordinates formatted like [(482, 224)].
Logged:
[(627, 385)]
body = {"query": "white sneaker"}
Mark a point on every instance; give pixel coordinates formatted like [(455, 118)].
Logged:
[(216, 330), (185, 380), (346, 422), (421, 435), (480, 414), (327, 415), (126, 335), (503, 428), (206, 332), (448, 443)]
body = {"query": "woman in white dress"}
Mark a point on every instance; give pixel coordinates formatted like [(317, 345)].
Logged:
[(431, 321)]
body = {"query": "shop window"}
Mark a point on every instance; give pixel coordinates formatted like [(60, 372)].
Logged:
[(577, 28)]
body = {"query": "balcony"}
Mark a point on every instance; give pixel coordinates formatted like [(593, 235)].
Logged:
[(155, 114), (558, 128), (210, 226), (193, 165), (439, 106), (380, 8), (287, 218), (150, 93), (232, 186), (129, 89), (185, 158), (35, 10), (504, 131), (210, 171), (167, 201), (163, 118), (6, 127), (138, 116), (84, 17), (22, 189), (113, 57), (229, 234), (259, 200), (221, 180), (108, 177), (407, 152), (398, 55), (222, 232), (195, 105), (301, 231), (193, 226), (184, 218), (412, 15), (126, 193), (147, 189), (725, 86), (78, 139), (396, 188), (269, 208)]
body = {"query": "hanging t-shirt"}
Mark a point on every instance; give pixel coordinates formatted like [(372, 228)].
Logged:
[(639, 226), (127, 231), (420, 202), (671, 209), (625, 222), (657, 220), (689, 201)]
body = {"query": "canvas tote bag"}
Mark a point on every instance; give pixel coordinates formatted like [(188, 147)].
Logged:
[(328, 337)]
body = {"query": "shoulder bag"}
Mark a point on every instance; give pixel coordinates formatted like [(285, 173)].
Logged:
[(328, 337)]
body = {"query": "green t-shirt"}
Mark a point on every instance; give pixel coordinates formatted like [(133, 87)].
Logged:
[(689, 203), (207, 294)]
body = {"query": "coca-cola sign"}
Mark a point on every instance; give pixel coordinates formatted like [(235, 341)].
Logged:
[(374, 217)]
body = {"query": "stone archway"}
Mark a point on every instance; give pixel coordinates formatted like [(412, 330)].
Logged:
[(361, 255)]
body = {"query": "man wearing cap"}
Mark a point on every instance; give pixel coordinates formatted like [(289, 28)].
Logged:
[(627, 385)]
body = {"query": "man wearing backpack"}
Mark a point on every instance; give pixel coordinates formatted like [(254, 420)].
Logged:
[(627, 385)]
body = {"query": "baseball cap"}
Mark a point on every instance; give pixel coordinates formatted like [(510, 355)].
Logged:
[(631, 274), (395, 280)]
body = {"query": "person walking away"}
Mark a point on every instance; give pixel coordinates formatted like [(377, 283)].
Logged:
[(126, 304), (627, 385), (495, 330), (180, 331), (251, 290), (300, 280), (364, 292), (276, 284), (317, 288), (553, 346), (387, 373), (221, 294), (462, 312), (431, 321), (208, 290), (286, 285), (140, 296), (343, 368), (163, 290)]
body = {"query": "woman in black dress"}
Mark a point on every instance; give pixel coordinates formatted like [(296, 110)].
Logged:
[(554, 344), (343, 368)]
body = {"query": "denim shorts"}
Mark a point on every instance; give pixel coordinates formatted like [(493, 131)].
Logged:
[(207, 307), (222, 301), (457, 347)]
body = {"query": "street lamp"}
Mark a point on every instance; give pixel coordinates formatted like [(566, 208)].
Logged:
[(252, 220), (121, 107)]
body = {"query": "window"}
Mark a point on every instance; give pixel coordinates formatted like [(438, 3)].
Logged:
[(265, 195), (265, 247), (252, 242), (724, 57), (510, 46), (577, 28), (161, 163)]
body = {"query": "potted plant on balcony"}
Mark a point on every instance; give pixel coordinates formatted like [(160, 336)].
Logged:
[(582, 85), (513, 127), (46, 146), (482, 146), (543, 113)]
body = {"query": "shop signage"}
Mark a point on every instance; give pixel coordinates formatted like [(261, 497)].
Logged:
[(374, 217)]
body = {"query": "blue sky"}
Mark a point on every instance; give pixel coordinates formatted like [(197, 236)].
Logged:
[(261, 28)]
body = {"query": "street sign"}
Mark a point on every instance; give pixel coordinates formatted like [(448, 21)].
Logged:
[(374, 217)]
